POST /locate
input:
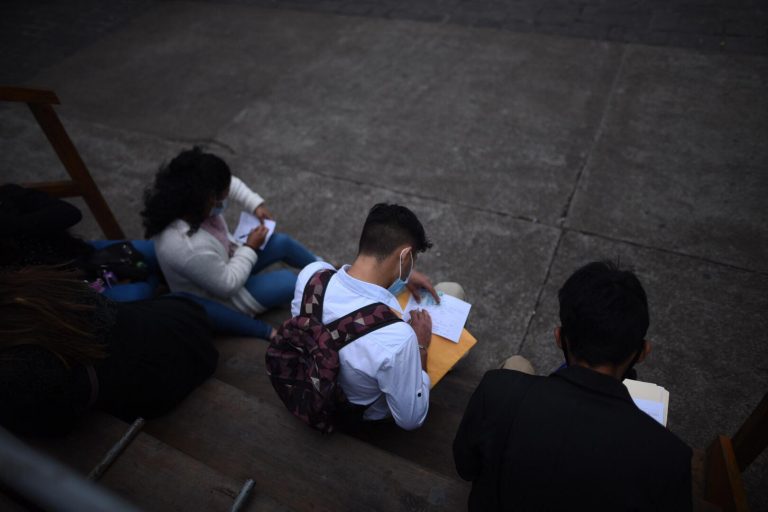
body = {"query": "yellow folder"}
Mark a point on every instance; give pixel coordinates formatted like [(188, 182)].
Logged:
[(443, 354)]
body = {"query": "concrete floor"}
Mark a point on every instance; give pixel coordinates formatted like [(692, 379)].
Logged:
[(525, 156)]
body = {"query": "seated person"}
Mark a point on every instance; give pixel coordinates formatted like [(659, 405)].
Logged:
[(34, 230), (65, 349), (183, 216), (575, 440), (383, 370)]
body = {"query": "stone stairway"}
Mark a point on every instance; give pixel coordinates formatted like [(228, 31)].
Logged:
[(234, 428)]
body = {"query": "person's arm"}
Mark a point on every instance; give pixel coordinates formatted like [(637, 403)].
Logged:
[(221, 278), (405, 385), (467, 451), (417, 282), (243, 195)]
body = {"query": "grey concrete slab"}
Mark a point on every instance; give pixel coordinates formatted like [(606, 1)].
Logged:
[(708, 327), (183, 69), (500, 261), (473, 117), (122, 163), (683, 162)]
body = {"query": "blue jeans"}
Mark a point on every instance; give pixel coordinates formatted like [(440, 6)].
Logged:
[(275, 288), (130, 292), (226, 320)]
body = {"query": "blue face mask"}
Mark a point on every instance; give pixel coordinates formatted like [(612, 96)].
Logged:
[(219, 209), (399, 285)]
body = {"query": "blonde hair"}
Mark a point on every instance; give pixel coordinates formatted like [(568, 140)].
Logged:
[(50, 308)]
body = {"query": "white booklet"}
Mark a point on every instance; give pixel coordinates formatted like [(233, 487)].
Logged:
[(249, 222), (448, 317), (649, 398)]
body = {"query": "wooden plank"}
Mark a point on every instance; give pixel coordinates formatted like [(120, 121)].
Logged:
[(60, 189), (724, 487), (241, 364), (752, 438), (246, 436), (70, 158), (27, 95), (149, 473)]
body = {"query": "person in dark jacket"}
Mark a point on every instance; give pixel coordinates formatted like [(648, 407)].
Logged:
[(575, 440), (34, 230), (65, 349)]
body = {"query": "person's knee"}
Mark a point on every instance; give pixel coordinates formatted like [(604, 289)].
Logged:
[(279, 242), (277, 289), (452, 289), (520, 364), (285, 281)]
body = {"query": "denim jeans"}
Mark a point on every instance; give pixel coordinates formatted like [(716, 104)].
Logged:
[(274, 288), (226, 320)]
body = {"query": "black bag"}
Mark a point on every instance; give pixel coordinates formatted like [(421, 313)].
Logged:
[(120, 259)]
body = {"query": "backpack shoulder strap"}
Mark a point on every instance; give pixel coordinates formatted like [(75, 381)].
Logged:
[(365, 320), (314, 293)]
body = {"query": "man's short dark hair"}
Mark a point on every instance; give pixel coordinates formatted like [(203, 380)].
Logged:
[(603, 313), (389, 226)]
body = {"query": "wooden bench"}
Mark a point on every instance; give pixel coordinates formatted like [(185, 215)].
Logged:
[(81, 183), (717, 469)]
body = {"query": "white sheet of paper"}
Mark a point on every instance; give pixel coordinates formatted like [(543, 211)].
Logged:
[(652, 408), (249, 222), (448, 317), (650, 398)]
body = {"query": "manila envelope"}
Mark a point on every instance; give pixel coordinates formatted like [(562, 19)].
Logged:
[(443, 354)]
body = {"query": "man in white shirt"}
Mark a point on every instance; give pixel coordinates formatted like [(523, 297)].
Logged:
[(384, 370)]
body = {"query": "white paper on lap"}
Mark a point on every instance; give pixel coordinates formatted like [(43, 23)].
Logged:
[(249, 222), (448, 317)]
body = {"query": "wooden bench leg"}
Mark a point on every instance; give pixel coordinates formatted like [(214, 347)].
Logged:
[(70, 158), (723, 485)]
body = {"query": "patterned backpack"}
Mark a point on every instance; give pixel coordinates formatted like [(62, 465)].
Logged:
[(303, 358)]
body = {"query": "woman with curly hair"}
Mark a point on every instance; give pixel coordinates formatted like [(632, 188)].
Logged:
[(198, 255)]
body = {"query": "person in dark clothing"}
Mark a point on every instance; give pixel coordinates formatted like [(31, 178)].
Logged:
[(34, 230), (65, 349), (575, 440)]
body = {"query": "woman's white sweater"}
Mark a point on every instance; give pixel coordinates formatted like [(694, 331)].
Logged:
[(201, 265)]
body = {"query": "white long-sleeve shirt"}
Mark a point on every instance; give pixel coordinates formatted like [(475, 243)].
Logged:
[(201, 265), (383, 366)]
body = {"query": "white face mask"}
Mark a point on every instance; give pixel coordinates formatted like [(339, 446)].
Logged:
[(399, 285)]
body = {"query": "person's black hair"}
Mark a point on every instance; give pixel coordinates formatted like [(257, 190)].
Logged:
[(603, 314), (183, 189), (387, 227)]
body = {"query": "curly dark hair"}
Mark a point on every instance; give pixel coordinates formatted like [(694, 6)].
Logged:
[(183, 189)]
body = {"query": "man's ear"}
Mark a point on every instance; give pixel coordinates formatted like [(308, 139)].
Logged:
[(645, 351), (558, 339)]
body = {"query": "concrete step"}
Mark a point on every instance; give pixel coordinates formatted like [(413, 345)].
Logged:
[(249, 436), (149, 473), (241, 364)]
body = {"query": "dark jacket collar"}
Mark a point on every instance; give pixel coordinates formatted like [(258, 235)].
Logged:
[(593, 381)]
